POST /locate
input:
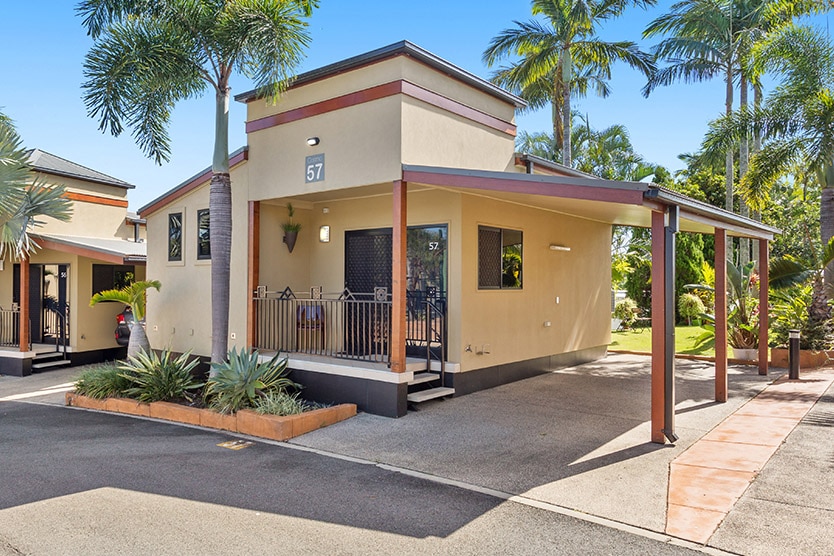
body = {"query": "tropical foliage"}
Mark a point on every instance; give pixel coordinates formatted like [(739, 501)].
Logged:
[(149, 55), (561, 55), (155, 377), (102, 381), (133, 295), (23, 201), (242, 379)]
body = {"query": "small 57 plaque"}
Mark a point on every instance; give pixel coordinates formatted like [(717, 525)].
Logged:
[(314, 168)]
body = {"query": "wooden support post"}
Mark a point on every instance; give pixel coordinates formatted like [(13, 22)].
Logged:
[(764, 287), (720, 315), (658, 326), (24, 303), (398, 276), (254, 269)]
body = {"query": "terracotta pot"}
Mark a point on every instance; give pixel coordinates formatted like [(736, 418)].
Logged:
[(290, 239)]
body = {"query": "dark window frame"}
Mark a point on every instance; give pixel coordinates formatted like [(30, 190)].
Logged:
[(175, 236), (494, 265), (203, 243)]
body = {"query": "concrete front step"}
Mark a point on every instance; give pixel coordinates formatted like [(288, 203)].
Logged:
[(420, 378), (430, 394), (43, 364)]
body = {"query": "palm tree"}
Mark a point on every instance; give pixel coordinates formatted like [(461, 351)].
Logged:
[(563, 56), (149, 55), (23, 200), (134, 296), (795, 120)]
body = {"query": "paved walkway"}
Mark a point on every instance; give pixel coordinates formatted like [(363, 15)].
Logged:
[(706, 481)]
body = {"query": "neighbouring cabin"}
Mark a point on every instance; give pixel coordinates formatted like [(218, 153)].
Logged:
[(101, 247), (432, 259)]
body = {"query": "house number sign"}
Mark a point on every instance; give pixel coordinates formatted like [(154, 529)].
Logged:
[(314, 168)]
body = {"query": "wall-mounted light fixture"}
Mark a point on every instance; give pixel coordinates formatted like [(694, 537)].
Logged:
[(324, 234), (313, 141), (554, 247)]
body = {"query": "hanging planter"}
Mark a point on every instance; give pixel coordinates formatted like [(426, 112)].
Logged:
[(291, 229), (290, 238)]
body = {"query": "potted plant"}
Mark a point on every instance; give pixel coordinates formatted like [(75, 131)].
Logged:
[(291, 229)]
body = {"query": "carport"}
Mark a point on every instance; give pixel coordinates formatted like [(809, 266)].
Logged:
[(635, 204)]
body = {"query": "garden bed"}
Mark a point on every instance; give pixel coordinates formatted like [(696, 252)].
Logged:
[(808, 359), (248, 422)]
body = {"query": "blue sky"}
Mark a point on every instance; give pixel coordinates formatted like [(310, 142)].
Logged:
[(42, 52)]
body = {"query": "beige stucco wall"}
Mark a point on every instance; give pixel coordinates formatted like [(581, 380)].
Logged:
[(512, 321), (89, 219), (435, 137), (367, 143), (361, 145), (179, 315)]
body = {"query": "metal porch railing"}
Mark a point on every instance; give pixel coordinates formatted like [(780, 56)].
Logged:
[(348, 325)]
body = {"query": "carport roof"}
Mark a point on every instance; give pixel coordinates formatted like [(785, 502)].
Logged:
[(614, 202)]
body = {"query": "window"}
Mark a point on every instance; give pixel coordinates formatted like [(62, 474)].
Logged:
[(175, 236), (112, 277), (499, 258), (203, 243)]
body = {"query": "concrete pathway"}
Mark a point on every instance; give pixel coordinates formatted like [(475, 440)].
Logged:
[(708, 479)]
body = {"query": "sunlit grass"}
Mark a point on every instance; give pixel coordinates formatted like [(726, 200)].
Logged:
[(640, 339)]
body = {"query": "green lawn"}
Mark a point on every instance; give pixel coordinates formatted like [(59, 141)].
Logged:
[(640, 339)]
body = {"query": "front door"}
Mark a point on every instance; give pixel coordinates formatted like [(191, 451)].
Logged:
[(368, 265), (47, 299)]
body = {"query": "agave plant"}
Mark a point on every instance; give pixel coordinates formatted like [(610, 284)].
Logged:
[(242, 379), (154, 378)]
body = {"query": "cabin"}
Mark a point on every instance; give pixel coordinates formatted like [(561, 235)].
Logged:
[(432, 259), (101, 247)]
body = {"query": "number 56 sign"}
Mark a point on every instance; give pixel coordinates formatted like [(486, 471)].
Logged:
[(314, 168)]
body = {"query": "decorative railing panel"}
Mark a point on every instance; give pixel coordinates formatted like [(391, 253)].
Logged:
[(348, 325)]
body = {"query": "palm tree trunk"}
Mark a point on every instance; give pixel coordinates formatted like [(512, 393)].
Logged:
[(743, 163), (566, 124), (138, 341), (728, 160), (220, 230), (827, 220)]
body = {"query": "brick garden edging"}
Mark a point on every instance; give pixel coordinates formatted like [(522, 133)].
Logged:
[(273, 427)]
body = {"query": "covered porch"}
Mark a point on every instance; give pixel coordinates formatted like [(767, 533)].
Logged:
[(384, 325), (45, 318)]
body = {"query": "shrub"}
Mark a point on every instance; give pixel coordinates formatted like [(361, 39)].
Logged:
[(625, 311), (279, 403), (690, 307), (102, 381), (790, 310), (238, 382), (154, 378)]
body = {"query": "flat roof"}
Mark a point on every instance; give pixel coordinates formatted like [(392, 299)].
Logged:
[(402, 48)]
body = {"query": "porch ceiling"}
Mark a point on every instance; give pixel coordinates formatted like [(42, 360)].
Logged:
[(111, 250)]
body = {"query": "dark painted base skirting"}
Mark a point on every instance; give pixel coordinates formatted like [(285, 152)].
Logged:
[(490, 377), (97, 356), (371, 396), (12, 366)]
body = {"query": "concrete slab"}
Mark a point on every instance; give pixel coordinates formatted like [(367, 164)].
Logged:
[(578, 437)]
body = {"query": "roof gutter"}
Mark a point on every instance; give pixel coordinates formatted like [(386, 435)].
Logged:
[(741, 225)]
